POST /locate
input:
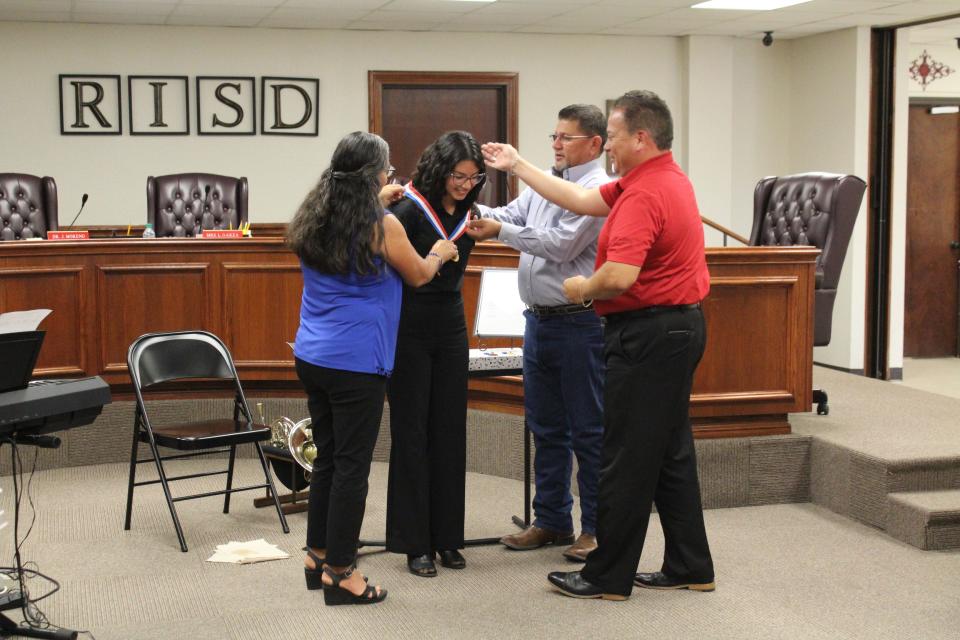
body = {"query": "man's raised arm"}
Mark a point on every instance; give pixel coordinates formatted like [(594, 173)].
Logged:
[(568, 195)]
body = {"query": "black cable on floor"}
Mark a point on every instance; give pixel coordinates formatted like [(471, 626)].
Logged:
[(33, 616)]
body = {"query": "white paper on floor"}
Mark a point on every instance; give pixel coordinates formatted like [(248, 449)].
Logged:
[(247, 552)]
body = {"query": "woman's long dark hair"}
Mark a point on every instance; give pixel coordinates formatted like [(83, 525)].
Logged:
[(439, 159), (339, 227)]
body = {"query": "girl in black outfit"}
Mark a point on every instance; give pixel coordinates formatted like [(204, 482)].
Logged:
[(428, 388)]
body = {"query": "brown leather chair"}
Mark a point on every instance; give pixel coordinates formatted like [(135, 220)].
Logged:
[(183, 204), (28, 206), (813, 209)]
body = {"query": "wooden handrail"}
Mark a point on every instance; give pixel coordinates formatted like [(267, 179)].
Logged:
[(722, 229)]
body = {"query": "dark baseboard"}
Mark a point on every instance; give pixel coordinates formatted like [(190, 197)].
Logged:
[(856, 372), (896, 373)]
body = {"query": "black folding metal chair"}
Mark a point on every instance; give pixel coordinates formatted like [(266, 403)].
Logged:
[(155, 358)]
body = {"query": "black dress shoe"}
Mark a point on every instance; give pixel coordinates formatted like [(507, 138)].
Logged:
[(422, 566), (572, 584), (452, 559), (659, 580)]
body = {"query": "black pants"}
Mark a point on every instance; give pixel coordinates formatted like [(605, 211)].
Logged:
[(648, 454), (428, 424), (345, 408)]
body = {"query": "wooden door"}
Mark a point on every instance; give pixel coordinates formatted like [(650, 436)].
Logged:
[(411, 108), (933, 225)]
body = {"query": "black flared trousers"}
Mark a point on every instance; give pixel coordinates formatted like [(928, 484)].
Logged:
[(428, 419)]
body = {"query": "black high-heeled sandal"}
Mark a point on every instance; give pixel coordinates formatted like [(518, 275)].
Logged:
[(314, 576), (334, 594)]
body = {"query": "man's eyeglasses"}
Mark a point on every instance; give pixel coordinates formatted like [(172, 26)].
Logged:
[(564, 138), (459, 179)]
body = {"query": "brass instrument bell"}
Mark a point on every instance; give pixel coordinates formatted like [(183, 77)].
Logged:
[(300, 444)]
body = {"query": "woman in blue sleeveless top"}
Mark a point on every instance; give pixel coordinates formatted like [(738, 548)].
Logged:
[(353, 256)]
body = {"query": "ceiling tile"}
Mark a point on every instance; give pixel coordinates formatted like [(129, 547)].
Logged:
[(725, 29), (616, 17), (367, 5), (646, 28), (406, 18), (302, 18), (93, 17), (214, 11), (211, 21), (634, 10), (921, 9), (231, 4), (657, 4), (35, 6), (561, 29), (544, 2), (24, 15), (382, 24), (432, 5), (477, 27), (516, 9), (696, 17), (846, 6), (106, 8), (500, 21)]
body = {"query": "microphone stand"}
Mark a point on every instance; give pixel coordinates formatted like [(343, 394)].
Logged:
[(83, 202)]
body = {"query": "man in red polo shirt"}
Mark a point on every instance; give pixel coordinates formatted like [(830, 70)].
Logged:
[(650, 277)]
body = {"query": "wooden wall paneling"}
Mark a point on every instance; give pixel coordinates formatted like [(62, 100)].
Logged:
[(135, 299), (61, 289), (759, 358), (757, 369), (259, 315), (730, 368)]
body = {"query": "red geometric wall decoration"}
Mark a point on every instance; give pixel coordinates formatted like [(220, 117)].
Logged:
[(925, 70)]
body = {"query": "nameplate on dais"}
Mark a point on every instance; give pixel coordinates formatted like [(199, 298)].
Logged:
[(218, 234), (68, 235)]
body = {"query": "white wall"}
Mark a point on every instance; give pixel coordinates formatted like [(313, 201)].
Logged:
[(554, 71), (737, 101), (762, 114), (830, 120), (945, 87), (709, 107)]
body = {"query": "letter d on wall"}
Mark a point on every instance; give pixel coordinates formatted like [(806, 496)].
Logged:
[(290, 106), (90, 105)]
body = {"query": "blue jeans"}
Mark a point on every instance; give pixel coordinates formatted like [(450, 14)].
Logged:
[(563, 402)]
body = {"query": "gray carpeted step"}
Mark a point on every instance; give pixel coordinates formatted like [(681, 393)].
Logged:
[(925, 519)]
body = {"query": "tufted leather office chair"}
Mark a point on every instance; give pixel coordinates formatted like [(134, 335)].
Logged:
[(28, 206), (182, 204), (813, 209)]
